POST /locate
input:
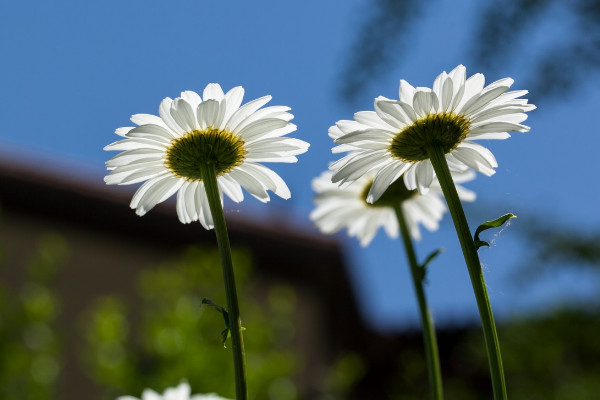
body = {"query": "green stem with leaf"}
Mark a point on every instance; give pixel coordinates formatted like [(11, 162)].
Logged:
[(418, 276), (235, 327), (440, 166)]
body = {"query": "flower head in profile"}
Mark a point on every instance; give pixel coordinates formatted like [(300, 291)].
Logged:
[(171, 152), (181, 392), (393, 141), (346, 206)]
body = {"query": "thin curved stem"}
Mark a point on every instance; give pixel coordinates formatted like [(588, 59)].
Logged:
[(440, 165), (235, 327), (418, 274)]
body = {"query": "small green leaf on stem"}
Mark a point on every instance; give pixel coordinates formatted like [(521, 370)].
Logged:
[(431, 256), (225, 332), (498, 222), (428, 260)]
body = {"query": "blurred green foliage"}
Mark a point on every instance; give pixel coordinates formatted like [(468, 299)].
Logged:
[(165, 335), (29, 345), (549, 357), (160, 334), (553, 357)]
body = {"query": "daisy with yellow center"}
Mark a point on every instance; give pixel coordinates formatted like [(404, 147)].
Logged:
[(429, 133), (170, 152), (346, 207), (395, 139), (398, 209), (201, 147)]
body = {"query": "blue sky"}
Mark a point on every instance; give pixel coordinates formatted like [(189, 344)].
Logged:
[(72, 72)]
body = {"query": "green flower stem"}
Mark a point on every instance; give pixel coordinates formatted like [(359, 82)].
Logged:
[(438, 159), (235, 327), (418, 274)]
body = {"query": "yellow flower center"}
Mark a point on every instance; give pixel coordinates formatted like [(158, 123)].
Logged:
[(188, 154), (446, 130)]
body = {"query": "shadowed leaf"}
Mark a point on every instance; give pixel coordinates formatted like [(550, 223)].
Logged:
[(498, 222)]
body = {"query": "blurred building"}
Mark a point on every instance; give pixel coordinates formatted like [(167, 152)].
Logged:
[(109, 245)]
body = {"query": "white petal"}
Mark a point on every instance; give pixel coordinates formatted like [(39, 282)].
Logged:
[(213, 91), (233, 99), (148, 394), (359, 166), (192, 98), (409, 111), (231, 188), (153, 192), (181, 206), (268, 178), (477, 157), (478, 102), (246, 110), (122, 176), (190, 200), (250, 183), (123, 131), (410, 221), (465, 194), (137, 155), (472, 88), (406, 92), (489, 136), (203, 207), (261, 127), (498, 114), (138, 143), (376, 135), (393, 114), (383, 179), (497, 127), (277, 146), (164, 110), (153, 131), (410, 177), (422, 102), (438, 84), (183, 114), (273, 112), (208, 112), (458, 76), (347, 126), (258, 156), (143, 119), (424, 175), (447, 95), (370, 118)]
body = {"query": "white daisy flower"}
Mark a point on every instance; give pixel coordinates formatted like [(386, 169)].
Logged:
[(168, 151), (345, 206), (181, 392), (393, 140)]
